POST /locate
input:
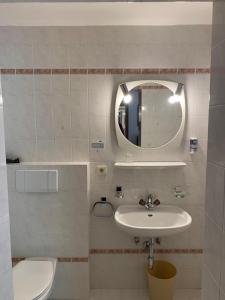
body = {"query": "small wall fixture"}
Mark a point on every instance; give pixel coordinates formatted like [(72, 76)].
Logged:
[(176, 97), (127, 97), (119, 192), (179, 193), (193, 145)]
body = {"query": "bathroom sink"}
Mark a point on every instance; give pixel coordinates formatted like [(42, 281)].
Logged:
[(162, 221)]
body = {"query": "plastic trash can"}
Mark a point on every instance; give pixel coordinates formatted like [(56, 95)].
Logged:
[(161, 280)]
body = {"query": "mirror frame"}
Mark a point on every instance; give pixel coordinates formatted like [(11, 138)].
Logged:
[(171, 85)]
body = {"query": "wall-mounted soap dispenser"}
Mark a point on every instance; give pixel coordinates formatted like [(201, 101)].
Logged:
[(179, 193), (119, 192), (193, 145)]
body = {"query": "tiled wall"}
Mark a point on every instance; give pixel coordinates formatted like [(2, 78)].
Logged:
[(5, 250), (65, 96), (214, 259), (55, 225), (54, 106)]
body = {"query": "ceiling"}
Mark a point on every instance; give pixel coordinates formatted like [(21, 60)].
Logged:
[(105, 13)]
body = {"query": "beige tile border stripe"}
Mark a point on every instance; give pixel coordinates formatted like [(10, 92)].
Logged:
[(140, 251), (60, 259), (119, 251), (118, 71)]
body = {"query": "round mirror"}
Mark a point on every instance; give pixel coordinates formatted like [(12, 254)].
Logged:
[(149, 115)]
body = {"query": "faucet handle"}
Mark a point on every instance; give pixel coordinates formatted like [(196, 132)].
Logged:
[(152, 196), (142, 202), (156, 202)]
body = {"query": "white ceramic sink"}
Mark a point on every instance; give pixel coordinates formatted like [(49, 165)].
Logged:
[(162, 221)]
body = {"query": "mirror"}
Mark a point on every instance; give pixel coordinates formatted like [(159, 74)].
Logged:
[(149, 113)]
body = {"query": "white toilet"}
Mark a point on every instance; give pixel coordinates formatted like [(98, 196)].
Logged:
[(33, 278)]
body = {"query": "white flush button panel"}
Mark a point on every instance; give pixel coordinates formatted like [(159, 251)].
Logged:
[(37, 181)]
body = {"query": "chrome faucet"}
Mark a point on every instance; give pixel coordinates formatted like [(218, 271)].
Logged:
[(150, 203)]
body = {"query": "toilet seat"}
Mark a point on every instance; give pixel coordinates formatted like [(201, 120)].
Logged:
[(45, 292), (32, 279)]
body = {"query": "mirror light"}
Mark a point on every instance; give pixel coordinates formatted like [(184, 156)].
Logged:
[(127, 99), (174, 99)]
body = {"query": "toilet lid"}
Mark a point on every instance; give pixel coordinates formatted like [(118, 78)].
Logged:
[(31, 279)]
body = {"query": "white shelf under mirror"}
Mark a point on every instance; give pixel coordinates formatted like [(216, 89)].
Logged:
[(150, 164)]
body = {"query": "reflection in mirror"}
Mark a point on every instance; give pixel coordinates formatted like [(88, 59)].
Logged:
[(150, 114)]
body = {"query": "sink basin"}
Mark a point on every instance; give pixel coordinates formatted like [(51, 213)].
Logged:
[(164, 220)]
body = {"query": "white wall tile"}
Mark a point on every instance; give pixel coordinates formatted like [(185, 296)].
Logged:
[(80, 150), (217, 78), (22, 148), (43, 55), (23, 56), (77, 55), (97, 128), (60, 85), (63, 149), (5, 247), (42, 85), (44, 149), (65, 104), (210, 290), (71, 281), (78, 83), (128, 271), (216, 143), (71, 178), (215, 194), (79, 127), (50, 224), (20, 121), (213, 249), (222, 276), (121, 272), (45, 120), (5, 259), (60, 55), (6, 285)]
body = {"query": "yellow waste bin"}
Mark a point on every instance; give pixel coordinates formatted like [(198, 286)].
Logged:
[(161, 280)]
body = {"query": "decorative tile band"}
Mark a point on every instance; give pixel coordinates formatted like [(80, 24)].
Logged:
[(119, 251), (72, 259), (60, 71), (15, 260), (60, 259), (42, 71), (119, 71), (141, 251), (180, 251)]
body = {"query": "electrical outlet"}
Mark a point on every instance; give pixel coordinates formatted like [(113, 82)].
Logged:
[(102, 170)]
